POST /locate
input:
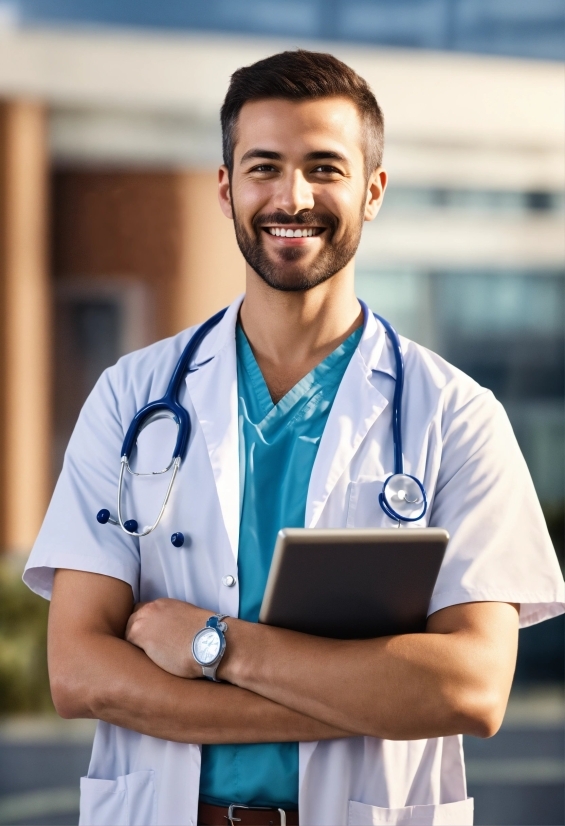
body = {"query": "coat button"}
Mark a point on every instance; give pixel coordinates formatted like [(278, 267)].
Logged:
[(228, 581)]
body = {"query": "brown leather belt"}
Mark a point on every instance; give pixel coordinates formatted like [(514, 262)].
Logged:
[(235, 815)]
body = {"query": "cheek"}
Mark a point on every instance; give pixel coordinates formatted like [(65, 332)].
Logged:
[(250, 200), (344, 201)]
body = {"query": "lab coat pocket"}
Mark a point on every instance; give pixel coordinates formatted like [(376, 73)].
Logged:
[(127, 801), (443, 814), (364, 510)]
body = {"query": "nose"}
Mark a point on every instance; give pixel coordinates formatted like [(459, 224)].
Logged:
[(294, 194)]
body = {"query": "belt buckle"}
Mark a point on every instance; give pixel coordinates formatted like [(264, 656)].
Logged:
[(232, 820)]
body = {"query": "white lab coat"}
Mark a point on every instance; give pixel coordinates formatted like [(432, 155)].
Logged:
[(457, 439)]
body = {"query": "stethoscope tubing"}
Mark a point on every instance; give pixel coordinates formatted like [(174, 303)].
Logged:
[(169, 405), (397, 429), (398, 393), (148, 528)]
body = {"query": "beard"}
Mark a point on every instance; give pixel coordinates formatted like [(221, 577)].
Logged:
[(289, 273)]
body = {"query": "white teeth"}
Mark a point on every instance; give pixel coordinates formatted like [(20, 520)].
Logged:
[(291, 233)]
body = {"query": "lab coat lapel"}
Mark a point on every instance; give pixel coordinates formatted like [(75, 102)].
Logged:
[(213, 392), (357, 405)]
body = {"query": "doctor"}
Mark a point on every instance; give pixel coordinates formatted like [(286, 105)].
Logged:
[(290, 401)]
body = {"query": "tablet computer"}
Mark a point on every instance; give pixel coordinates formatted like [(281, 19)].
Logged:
[(353, 584)]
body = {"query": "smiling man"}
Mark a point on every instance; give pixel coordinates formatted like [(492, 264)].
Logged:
[(326, 195), (290, 399)]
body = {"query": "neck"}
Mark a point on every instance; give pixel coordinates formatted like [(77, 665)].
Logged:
[(291, 332)]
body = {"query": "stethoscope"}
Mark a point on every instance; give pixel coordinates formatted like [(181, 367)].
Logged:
[(403, 497)]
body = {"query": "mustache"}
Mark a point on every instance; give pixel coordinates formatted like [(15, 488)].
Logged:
[(306, 219)]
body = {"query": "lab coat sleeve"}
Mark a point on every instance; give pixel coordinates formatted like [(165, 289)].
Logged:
[(70, 536), (500, 549)]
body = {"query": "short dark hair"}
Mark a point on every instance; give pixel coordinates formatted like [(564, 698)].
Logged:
[(302, 75)]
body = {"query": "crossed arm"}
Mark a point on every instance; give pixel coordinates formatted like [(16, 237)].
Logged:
[(136, 670)]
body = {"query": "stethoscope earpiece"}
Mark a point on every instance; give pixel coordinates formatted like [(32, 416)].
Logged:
[(103, 516), (168, 406), (403, 497)]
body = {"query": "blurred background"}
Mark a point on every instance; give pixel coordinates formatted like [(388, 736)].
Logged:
[(111, 237)]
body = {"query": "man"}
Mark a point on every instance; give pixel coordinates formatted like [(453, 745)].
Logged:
[(290, 402)]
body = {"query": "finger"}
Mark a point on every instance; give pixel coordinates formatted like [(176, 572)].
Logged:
[(129, 628)]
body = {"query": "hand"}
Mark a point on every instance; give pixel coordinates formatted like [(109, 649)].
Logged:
[(164, 629)]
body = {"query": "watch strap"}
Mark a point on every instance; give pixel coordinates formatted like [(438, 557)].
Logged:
[(209, 671), (216, 621)]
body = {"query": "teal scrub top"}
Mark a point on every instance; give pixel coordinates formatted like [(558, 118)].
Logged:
[(277, 447)]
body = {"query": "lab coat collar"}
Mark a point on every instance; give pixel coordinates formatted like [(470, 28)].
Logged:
[(212, 385), (375, 347), (357, 405), (219, 337)]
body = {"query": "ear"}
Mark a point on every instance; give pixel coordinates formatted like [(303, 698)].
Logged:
[(224, 191), (375, 193)]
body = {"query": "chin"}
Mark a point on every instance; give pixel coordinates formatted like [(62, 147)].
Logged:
[(297, 281)]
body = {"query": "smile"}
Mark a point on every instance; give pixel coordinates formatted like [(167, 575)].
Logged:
[(289, 232)]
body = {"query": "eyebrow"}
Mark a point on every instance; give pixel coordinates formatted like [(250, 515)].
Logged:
[(267, 154), (325, 154)]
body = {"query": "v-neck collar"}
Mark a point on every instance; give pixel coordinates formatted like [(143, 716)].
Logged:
[(212, 388), (248, 361), (285, 405)]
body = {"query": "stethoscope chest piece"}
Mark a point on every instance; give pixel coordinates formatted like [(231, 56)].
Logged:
[(403, 497)]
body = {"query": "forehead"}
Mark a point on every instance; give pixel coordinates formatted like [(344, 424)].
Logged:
[(297, 127)]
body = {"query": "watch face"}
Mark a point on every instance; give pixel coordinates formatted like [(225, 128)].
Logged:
[(207, 644)]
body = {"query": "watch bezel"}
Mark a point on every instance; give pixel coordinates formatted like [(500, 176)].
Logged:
[(220, 653)]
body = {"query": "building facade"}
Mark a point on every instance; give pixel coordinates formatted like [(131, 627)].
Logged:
[(111, 235)]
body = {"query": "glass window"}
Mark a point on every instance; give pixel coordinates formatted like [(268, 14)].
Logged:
[(503, 328), (96, 322)]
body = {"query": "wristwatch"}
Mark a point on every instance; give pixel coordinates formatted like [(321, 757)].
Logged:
[(209, 644)]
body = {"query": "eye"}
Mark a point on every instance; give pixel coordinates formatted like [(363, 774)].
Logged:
[(326, 169), (263, 167)]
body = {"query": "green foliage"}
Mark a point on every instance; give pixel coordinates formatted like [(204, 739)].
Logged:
[(24, 681)]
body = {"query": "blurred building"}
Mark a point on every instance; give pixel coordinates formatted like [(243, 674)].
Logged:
[(112, 237), (507, 27)]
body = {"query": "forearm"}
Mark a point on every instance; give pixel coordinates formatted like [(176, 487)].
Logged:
[(378, 686), (114, 681), (405, 687)]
